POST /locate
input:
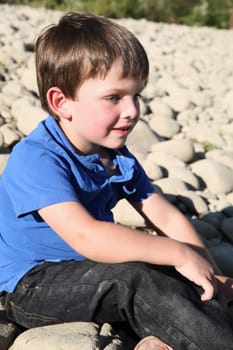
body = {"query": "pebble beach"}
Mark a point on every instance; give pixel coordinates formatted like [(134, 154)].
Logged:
[(184, 139)]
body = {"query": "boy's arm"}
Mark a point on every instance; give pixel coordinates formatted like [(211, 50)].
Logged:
[(108, 242), (168, 220)]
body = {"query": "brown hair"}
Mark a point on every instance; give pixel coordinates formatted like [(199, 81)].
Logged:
[(83, 46)]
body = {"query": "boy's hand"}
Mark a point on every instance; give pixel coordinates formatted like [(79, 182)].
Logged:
[(200, 271)]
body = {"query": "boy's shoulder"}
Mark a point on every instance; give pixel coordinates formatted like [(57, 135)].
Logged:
[(41, 143), (45, 136)]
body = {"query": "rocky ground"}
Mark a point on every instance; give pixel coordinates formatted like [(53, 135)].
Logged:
[(185, 137)]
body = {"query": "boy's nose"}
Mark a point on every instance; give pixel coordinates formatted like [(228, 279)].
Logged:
[(130, 110)]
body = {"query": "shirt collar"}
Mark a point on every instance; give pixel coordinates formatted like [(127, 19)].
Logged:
[(121, 158)]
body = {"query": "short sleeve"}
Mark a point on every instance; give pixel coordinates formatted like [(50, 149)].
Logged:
[(36, 177)]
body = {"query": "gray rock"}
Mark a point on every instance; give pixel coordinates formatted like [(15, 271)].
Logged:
[(8, 333), (214, 218), (67, 336), (206, 230), (227, 228), (223, 255)]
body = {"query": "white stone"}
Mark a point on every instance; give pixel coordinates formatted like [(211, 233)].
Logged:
[(227, 129), (230, 198), (172, 186), (159, 108), (13, 88), (223, 156), (181, 149), (141, 138), (168, 85), (165, 160), (217, 177), (10, 134), (205, 133), (185, 175), (3, 161), (177, 102), (1, 138), (195, 203), (27, 114), (163, 126), (152, 169), (198, 98), (125, 214), (28, 80), (66, 336)]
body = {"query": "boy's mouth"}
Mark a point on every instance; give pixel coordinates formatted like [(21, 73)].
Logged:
[(123, 130)]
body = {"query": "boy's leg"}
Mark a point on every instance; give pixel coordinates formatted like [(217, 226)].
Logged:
[(153, 300)]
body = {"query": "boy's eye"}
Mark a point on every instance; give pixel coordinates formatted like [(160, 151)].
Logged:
[(117, 98), (114, 98)]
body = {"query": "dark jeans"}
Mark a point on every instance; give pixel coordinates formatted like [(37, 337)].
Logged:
[(153, 300)]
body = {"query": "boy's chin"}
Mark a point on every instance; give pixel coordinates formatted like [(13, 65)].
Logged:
[(118, 146)]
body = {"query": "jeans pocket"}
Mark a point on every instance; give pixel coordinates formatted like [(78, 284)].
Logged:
[(19, 314)]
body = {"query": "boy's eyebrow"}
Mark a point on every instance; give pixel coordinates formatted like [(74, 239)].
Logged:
[(115, 90)]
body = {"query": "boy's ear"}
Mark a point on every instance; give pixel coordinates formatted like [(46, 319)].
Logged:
[(58, 102)]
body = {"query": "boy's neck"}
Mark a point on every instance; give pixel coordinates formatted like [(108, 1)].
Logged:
[(106, 159)]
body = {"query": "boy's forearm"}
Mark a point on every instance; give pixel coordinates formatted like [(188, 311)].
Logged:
[(169, 221), (113, 243), (182, 230), (106, 241), (186, 233)]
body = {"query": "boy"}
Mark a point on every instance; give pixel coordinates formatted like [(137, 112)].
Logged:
[(62, 256)]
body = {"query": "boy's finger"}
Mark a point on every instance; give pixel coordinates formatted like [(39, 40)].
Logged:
[(209, 290)]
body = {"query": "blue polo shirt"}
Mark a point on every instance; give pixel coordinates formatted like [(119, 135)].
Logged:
[(45, 169)]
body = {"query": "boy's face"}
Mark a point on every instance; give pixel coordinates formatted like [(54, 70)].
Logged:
[(104, 113)]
